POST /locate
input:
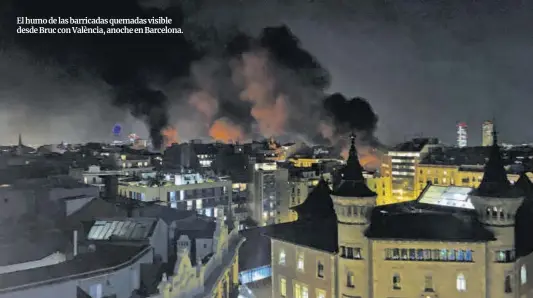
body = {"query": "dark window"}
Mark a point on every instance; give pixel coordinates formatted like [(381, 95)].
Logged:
[(412, 254), (396, 282), (320, 269), (350, 280), (451, 254), (404, 254), (505, 256), (508, 285), (420, 254)]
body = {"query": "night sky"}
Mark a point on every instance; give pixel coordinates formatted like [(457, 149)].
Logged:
[(422, 65)]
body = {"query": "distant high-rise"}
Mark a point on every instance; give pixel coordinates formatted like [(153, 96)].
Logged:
[(462, 136), (488, 129)]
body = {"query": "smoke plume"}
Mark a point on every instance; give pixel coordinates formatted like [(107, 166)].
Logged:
[(234, 87)]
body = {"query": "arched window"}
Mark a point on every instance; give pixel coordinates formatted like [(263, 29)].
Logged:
[(282, 257), (508, 287), (461, 282), (523, 275)]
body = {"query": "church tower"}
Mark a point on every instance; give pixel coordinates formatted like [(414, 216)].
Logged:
[(496, 202), (20, 146), (353, 202)]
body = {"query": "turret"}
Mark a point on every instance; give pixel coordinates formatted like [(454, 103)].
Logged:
[(496, 200), (353, 202), (352, 199)]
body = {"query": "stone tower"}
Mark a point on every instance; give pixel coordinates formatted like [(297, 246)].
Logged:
[(496, 202), (353, 202)]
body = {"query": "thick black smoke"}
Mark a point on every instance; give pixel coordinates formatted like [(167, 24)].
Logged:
[(134, 65), (139, 67), (350, 115)]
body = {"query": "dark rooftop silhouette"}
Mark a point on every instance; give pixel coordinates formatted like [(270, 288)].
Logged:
[(318, 204), (353, 183), (495, 182)]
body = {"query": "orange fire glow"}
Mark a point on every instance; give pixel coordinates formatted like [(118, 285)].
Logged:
[(367, 157), (224, 130), (170, 136), (269, 109)]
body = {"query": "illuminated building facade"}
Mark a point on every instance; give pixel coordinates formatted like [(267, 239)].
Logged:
[(488, 129), (269, 194), (462, 136), (399, 167), (451, 242), (181, 191), (465, 166)]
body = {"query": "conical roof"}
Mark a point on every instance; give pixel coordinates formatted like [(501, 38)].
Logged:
[(525, 185), (495, 183), (353, 183), (318, 204)]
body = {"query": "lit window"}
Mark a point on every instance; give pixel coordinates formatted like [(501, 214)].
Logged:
[(301, 262), (350, 280), (283, 287), (282, 257), (461, 283), (96, 291), (198, 204), (523, 275), (305, 292), (320, 293), (320, 269), (396, 282), (189, 205), (297, 291)]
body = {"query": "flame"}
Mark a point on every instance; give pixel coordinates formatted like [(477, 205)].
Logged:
[(225, 131), (170, 136)]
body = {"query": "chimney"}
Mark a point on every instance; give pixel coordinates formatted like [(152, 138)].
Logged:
[(75, 243)]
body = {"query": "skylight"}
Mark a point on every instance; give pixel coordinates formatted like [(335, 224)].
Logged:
[(124, 230), (450, 196)]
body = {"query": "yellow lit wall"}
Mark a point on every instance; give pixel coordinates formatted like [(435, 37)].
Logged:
[(451, 175), (304, 162), (379, 185)]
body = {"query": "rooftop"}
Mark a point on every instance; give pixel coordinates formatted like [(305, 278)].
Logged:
[(105, 257), (50, 182), (255, 251), (319, 235), (426, 225), (415, 145)]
